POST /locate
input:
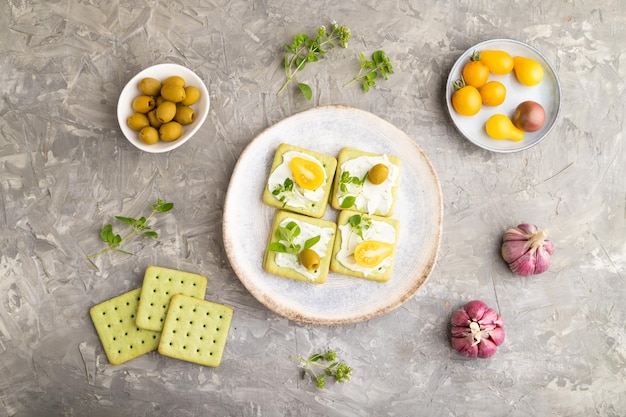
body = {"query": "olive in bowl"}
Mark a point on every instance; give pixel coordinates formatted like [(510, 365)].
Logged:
[(142, 105)]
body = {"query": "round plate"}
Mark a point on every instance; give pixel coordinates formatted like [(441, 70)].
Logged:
[(547, 93), (161, 72), (342, 299)]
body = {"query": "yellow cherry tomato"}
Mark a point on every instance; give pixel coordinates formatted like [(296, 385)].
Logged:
[(475, 72), (466, 99), (308, 174), (493, 93), (527, 71), (498, 62), (501, 127), (372, 252)]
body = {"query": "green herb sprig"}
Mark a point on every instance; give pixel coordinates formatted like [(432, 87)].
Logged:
[(304, 50), (345, 180), (283, 191), (138, 226), (286, 236), (359, 223), (369, 70), (320, 365)]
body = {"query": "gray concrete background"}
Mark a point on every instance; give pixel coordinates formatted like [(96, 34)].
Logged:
[(66, 170)]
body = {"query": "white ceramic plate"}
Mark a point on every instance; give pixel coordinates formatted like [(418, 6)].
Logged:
[(547, 93), (161, 72), (341, 299)]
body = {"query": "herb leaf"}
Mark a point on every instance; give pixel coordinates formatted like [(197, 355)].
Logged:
[(138, 226), (369, 70), (345, 180), (286, 236), (320, 365), (304, 49), (359, 223)]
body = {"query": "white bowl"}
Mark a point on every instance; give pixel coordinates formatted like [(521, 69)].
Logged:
[(161, 72), (547, 93)]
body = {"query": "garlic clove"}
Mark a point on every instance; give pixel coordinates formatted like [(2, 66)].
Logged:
[(513, 249), (486, 348), (542, 260), (465, 346), (524, 265), (497, 335), (475, 309), (458, 331), (489, 317), (460, 318)]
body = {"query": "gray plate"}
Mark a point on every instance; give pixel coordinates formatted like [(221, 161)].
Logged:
[(342, 299)]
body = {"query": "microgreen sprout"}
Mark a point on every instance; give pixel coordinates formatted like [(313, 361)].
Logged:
[(283, 191), (286, 240), (369, 70), (304, 49), (346, 180), (138, 226), (359, 223), (320, 365)]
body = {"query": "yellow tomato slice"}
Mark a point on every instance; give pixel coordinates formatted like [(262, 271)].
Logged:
[(308, 174), (372, 252)]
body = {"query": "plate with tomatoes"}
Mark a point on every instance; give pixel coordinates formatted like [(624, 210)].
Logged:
[(503, 95)]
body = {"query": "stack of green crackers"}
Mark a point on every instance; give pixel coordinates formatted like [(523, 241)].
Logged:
[(167, 313)]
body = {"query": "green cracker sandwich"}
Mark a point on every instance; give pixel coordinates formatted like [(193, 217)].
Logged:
[(291, 235), (195, 330), (300, 180), (121, 339), (159, 285), (366, 182), (365, 246)]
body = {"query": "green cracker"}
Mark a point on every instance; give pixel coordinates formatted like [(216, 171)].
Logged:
[(121, 339), (324, 251), (380, 273), (349, 194), (159, 285), (195, 330), (283, 199)]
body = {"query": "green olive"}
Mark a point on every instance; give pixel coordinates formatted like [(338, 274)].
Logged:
[(166, 112), (184, 115), (149, 135), (170, 131), (175, 79), (137, 121), (192, 94), (159, 100), (310, 259), (143, 104), (378, 174), (172, 92), (154, 121), (150, 86)]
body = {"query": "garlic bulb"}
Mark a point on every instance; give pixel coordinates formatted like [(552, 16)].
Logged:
[(526, 249), (477, 330)]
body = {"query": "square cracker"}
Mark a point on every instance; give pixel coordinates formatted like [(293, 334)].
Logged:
[(391, 187), (121, 339), (315, 209), (324, 251), (159, 285), (379, 273), (195, 330)]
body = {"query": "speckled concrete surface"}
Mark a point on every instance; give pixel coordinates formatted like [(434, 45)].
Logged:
[(66, 170)]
